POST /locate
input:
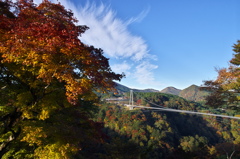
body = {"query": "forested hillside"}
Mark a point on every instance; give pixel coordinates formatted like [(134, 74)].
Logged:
[(154, 134), (194, 93), (52, 91), (171, 90)]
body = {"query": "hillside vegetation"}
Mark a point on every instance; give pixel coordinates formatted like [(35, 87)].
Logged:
[(171, 90), (191, 93), (52, 95), (143, 133), (194, 93)]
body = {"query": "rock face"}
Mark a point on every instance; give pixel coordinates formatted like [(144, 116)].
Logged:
[(193, 93), (171, 90)]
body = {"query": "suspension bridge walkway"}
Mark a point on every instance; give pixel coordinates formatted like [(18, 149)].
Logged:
[(161, 108)]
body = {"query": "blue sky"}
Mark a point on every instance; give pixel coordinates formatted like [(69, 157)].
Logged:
[(161, 43)]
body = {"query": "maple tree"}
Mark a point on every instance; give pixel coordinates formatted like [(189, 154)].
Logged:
[(226, 88), (48, 79)]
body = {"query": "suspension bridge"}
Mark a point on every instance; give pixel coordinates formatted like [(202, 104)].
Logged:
[(161, 108)]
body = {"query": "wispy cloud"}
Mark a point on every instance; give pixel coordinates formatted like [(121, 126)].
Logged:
[(140, 17), (111, 33), (143, 73), (107, 31), (122, 67)]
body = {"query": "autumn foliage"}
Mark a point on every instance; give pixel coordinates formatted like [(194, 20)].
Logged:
[(47, 76), (144, 133), (226, 88), (44, 41)]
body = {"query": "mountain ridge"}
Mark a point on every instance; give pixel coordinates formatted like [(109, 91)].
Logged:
[(191, 93), (194, 93), (171, 90), (123, 89)]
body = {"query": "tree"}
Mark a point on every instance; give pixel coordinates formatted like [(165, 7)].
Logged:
[(191, 144), (48, 81), (226, 88), (228, 150)]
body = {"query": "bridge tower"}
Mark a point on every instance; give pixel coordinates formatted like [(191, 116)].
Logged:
[(131, 100)]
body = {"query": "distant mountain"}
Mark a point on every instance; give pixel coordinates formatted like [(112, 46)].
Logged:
[(145, 90), (171, 90), (193, 93), (123, 89)]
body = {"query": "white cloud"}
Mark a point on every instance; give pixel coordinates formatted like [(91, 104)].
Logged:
[(109, 32), (140, 17), (143, 73), (122, 67)]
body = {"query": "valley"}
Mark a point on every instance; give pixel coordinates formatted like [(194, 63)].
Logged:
[(148, 133)]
